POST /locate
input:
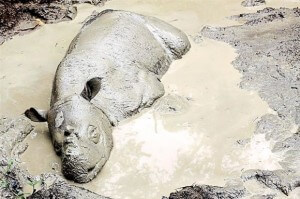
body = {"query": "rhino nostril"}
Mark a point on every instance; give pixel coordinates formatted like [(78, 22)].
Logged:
[(67, 133)]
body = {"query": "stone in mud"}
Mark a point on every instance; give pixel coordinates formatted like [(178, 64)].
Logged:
[(243, 142), (266, 196), (290, 148), (290, 143), (286, 140), (64, 190), (208, 192), (51, 13), (13, 178), (197, 39), (282, 180), (12, 134), (172, 104), (111, 71), (273, 127), (251, 3), (93, 2)]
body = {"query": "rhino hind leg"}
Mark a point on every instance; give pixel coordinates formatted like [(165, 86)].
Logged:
[(173, 40)]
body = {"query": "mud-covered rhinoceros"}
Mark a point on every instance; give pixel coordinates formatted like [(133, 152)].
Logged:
[(111, 71)]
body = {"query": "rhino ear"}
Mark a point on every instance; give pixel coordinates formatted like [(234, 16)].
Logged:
[(91, 88), (36, 115)]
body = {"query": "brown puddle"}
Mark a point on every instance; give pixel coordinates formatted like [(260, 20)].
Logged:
[(163, 147)]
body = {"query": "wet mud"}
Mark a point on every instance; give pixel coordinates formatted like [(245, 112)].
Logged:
[(268, 48), (193, 135)]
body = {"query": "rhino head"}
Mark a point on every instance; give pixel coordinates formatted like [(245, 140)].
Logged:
[(81, 133)]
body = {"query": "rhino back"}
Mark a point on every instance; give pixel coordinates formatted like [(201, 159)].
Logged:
[(120, 48)]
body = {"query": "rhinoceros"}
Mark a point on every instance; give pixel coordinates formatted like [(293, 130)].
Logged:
[(111, 71)]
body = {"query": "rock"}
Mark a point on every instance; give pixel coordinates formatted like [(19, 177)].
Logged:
[(290, 147), (251, 3), (268, 196), (208, 192), (243, 142), (284, 181), (171, 104), (290, 143), (64, 190), (197, 38), (12, 134), (27, 25), (93, 2)]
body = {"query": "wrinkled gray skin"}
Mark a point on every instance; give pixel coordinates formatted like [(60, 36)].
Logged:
[(111, 71)]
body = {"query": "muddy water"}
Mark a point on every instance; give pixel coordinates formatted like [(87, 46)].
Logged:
[(156, 151)]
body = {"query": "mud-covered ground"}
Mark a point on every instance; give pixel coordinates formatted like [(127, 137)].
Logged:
[(15, 182), (268, 45), (22, 16)]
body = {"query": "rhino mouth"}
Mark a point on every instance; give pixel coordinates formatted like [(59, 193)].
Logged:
[(76, 172), (76, 163), (76, 169)]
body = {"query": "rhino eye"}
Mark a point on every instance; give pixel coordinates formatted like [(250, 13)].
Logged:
[(93, 134)]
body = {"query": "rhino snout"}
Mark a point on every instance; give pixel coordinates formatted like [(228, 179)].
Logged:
[(77, 170), (74, 167)]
